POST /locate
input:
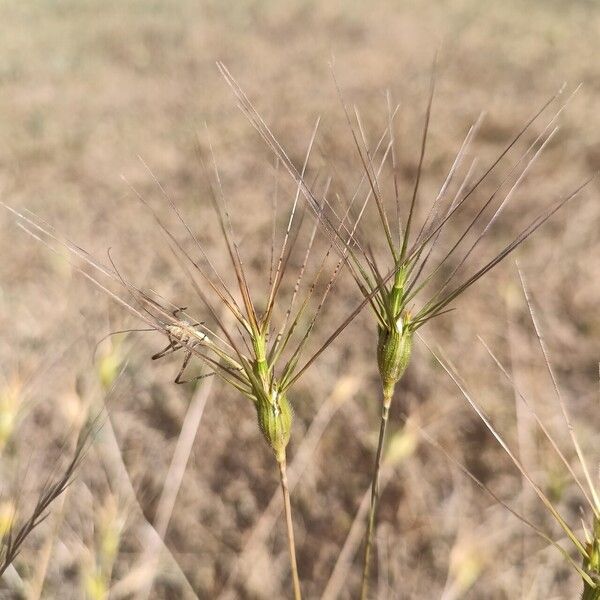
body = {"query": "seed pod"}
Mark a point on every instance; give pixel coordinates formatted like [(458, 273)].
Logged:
[(393, 354), (275, 421)]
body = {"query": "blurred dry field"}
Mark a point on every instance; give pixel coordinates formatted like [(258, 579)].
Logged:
[(86, 87)]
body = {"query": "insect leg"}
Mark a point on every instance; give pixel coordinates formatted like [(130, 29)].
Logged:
[(172, 347), (186, 360)]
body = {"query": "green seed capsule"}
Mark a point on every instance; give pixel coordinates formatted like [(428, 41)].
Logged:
[(393, 354), (275, 421)]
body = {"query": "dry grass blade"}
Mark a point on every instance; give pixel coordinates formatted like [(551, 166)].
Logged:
[(13, 540), (541, 425), (560, 399), (545, 500), (588, 550), (149, 561), (469, 474)]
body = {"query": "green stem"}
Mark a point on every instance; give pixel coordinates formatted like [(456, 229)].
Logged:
[(590, 593), (290, 528), (387, 399)]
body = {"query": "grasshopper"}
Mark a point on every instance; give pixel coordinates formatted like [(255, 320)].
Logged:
[(183, 335)]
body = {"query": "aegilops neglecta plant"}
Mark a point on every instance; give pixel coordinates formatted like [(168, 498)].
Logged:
[(418, 259), (248, 350)]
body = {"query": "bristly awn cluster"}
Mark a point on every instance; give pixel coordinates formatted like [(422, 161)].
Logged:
[(421, 265)]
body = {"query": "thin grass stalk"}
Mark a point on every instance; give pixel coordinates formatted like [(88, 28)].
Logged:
[(374, 498), (587, 548), (290, 528)]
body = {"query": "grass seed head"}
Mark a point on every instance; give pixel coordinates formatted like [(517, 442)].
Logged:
[(275, 420), (395, 333), (394, 347), (424, 262)]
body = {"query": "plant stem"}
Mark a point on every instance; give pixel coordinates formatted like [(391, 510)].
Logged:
[(590, 593), (387, 399), (290, 527)]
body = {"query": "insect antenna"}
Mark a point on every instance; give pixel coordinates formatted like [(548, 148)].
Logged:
[(118, 332)]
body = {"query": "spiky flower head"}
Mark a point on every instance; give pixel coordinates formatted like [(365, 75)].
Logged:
[(421, 279), (243, 346)]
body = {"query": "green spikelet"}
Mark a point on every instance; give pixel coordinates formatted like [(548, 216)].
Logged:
[(393, 354), (592, 565), (275, 421)]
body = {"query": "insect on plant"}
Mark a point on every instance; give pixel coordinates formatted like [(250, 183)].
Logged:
[(259, 357), (183, 335), (428, 271)]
